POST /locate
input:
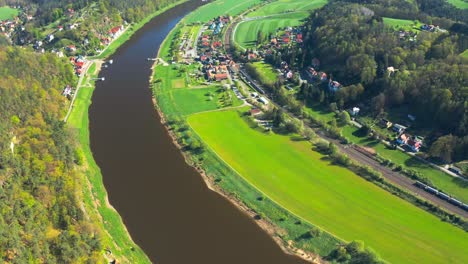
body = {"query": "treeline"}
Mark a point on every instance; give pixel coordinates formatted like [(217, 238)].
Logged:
[(356, 48), (41, 219)]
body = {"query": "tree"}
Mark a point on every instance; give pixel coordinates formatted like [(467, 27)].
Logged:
[(345, 118), (443, 148), (309, 133)]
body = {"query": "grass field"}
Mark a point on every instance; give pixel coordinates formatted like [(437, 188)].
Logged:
[(220, 7), (8, 12), (398, 23), (266, 72), (282, 6), (329, 196), (462, 4), (246, 32)]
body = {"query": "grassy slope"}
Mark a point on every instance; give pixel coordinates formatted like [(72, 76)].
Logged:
[(8, 12), (394, 22), (246, 33), (439, 179), (282, 6), (459, 3), (329, 196), (220, 7)]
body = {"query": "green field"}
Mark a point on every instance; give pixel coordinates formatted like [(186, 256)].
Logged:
[(246, 32), (331, 197), (282, 6), (8, 12), (462, 4), (398, 23), (220, 7)]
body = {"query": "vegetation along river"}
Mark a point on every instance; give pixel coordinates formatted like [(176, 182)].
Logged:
[(165, 204)]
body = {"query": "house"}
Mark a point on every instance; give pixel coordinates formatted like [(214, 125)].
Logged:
[(399, 128), (274, 41), (251, 56), (334, 86), (255, 111), (221, 76), (67, 91), (354, 111), (415, 144), (71, 48), (403, 139), (323, 77), (289, 74), (411, 117), (116, 31), (49, 38), (385, 123), (286, 40), (455, 170)]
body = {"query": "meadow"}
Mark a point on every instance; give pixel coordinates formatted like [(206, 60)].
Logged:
[(220, 7), (246, 32), (398, 23), (462, 4), (331, 197), (8, 12), (283, 6)]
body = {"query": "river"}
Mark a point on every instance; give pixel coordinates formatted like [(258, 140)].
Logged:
[(166, 206)]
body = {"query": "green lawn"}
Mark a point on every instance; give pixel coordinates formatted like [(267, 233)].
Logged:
[(329, 196), (8, 12), (246, 32), (439, 179), (282, 6), (220, 7), (462, 4)]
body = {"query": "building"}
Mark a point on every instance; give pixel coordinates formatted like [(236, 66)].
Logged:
[(399, 128)]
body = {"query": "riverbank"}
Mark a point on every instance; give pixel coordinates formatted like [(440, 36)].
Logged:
[(115, 237), (282, 226), (220, 174)]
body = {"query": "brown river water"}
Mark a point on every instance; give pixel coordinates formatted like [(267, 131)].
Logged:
[(166, 206)]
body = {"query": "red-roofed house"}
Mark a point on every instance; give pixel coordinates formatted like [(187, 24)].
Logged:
[(221, 76), (116, 31)]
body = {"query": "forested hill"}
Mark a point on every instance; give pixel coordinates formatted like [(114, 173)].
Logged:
[(40, 216), (430, 78), (81, 24)]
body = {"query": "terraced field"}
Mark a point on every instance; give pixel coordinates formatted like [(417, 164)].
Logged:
[(331, 197), (462, 4)]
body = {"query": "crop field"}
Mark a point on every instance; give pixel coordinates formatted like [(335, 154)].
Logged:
[(220, 7), (331, 197), (283, 6), (462, 4), (439, 179), (8, 12), (246, 32)]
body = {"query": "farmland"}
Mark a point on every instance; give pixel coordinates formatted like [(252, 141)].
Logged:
[(8, 12), (305, 183), (283, 6), (462, 4), (221, 7)]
